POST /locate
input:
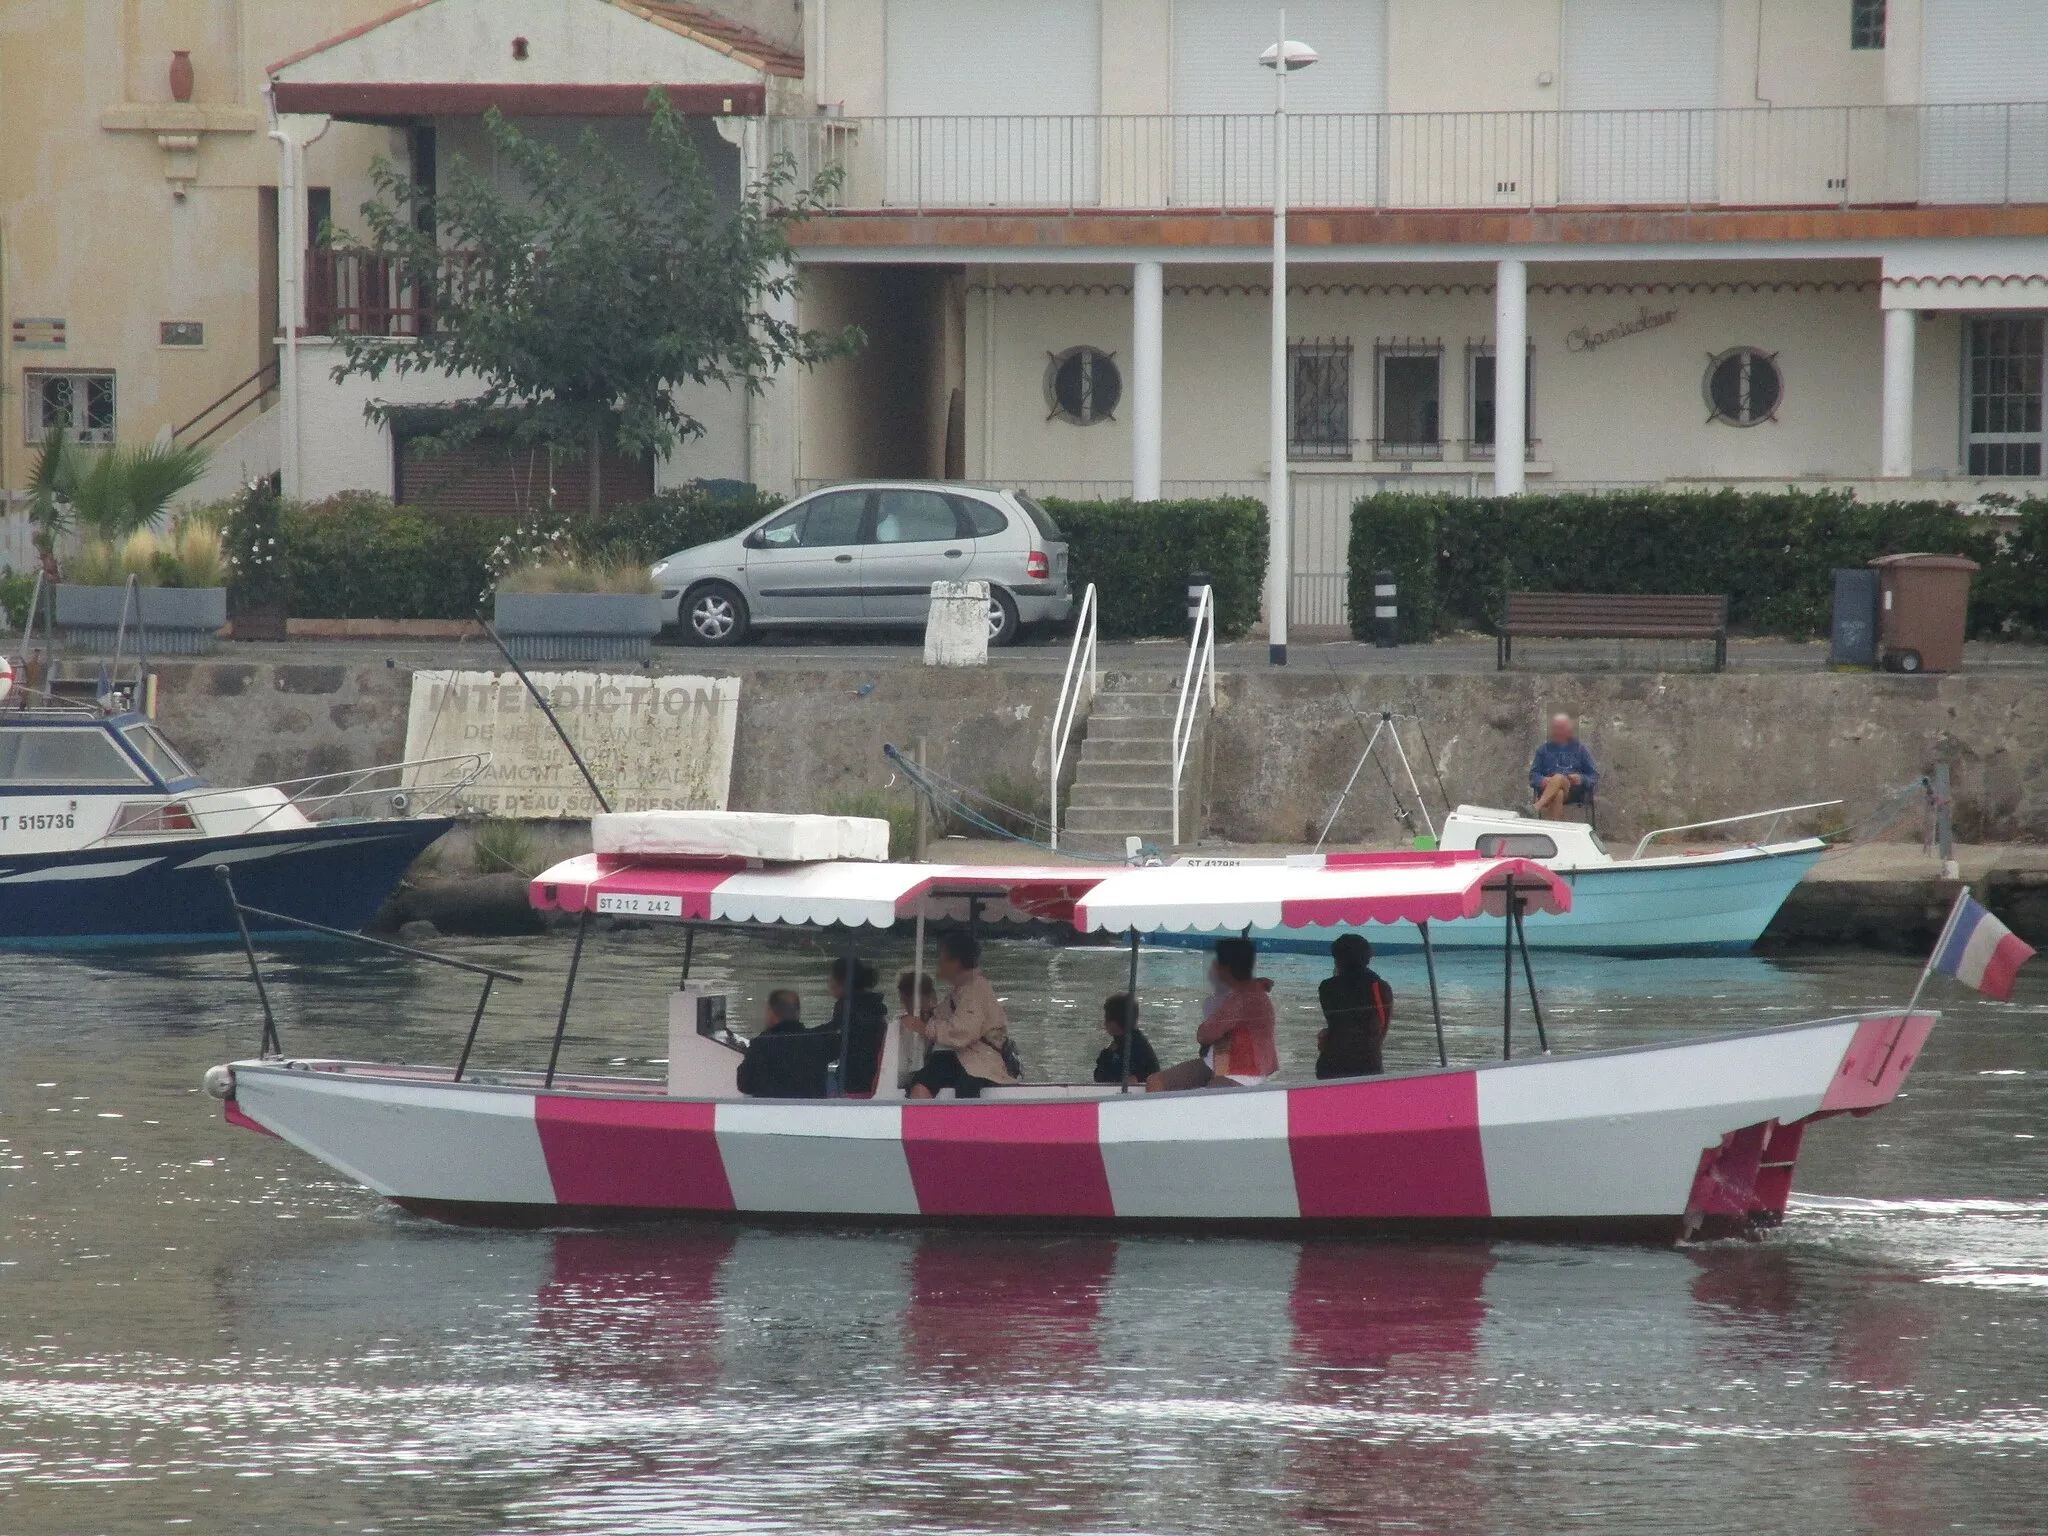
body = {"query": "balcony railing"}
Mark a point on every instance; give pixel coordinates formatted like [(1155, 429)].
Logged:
[(360, 293), (1745, 157)]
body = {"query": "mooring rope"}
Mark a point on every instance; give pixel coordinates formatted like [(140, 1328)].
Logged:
[(952, 800)]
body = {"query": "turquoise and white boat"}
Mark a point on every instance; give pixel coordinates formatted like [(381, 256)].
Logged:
[(1650, 903)]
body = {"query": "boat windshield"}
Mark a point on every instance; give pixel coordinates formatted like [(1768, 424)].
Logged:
[(63, 755), (157, 752)]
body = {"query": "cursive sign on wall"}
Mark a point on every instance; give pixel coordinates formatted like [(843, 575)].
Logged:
[(1586, 339)]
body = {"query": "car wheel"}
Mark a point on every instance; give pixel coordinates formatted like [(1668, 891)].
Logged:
[(715, 614), (1002, 618)]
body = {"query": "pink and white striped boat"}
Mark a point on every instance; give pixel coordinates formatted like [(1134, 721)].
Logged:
[(1695, 1139)]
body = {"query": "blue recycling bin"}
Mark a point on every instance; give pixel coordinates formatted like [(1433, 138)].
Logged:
[(1852, 638)]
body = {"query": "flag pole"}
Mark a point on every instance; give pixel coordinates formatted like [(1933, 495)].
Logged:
[(1955, 911)]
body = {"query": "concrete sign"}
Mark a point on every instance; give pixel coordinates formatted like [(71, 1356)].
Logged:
[(654, 743)]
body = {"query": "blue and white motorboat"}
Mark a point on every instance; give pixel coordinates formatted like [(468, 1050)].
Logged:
[(107, 836), (1714, 901)]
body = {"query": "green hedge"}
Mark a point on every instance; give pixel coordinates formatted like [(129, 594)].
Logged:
[(642, 532), (356, 556), (1772, 553), (1139, 555)]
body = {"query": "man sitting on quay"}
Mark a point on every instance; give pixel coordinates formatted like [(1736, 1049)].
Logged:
[(1562, 773)]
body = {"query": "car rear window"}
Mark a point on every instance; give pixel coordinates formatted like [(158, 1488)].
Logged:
[(981, 519), (1039, 516)]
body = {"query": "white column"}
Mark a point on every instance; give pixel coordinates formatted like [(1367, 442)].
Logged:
[(290, 264), (1510, 377), (1148, 376), (1895, 435), (1279, 529)]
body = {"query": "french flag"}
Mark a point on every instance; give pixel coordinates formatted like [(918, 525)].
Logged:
[(1980, 951)]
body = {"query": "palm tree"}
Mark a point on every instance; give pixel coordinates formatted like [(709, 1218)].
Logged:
[(110, 494)]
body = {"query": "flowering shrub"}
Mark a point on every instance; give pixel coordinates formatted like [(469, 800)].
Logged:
[(256, 569)]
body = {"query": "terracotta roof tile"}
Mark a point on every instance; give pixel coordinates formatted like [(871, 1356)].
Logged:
[(719, 32), (692, 21)]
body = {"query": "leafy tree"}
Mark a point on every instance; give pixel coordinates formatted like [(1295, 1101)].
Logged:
[(579, 306)]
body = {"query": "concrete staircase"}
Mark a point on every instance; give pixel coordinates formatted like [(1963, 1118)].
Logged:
[(1123, 781)]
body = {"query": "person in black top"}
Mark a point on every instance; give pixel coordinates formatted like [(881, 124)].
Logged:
[(870, 1028), (1357, 1007), (786, 1061), (1118, 1014)]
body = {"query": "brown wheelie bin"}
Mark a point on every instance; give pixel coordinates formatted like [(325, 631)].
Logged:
[(1923, 605)]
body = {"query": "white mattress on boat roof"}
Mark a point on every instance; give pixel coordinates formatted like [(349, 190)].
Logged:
[(741, 834)]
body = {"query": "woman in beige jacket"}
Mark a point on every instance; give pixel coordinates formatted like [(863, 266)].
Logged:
[(967, 1032)]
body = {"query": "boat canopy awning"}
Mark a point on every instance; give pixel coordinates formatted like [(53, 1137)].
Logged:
[(1342, 890), (1337, 892), (857, 893)]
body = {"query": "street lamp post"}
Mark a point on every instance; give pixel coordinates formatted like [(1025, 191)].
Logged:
[(1283, 58)]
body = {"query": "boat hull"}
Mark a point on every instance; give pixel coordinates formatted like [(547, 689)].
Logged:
[(163, 892), (1654, 1141), (1715, 905)]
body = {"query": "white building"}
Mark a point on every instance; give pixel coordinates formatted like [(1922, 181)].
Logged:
[(1733, 240)]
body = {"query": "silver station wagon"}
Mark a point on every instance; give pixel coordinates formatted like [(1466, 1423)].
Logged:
[(865, 556)]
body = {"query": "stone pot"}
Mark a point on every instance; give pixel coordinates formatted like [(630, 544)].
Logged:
[(180, 621), (578, 626), (181, 74)]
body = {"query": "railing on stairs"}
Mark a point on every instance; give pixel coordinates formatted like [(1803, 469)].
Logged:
[(1198, 674), (1082, 671), (264, 380)]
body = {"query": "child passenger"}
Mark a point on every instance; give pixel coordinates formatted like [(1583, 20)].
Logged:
[(1119, 1013)]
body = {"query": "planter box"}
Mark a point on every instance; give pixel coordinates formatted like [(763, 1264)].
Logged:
[(578, 626), (179, 621)]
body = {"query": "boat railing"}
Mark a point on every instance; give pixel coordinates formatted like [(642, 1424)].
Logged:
[(1775, 814), (1199, 674), (272, 1045), (1083, 671), (419, 786)]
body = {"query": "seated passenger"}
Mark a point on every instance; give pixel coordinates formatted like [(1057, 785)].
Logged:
[(865, 1035), (968, 1031), (1118, 1014), (913, 1016), (1357, 1007), (1238, 1048), (786, 1061)]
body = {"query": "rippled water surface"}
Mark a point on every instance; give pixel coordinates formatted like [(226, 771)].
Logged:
[(200, 1327)]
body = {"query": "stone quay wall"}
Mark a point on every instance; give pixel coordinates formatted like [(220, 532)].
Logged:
[(1673, 748)]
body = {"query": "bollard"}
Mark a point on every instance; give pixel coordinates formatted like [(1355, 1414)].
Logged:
[(1197, 580), (1386, 612)]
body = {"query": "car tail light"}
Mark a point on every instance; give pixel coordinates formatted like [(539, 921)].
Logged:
[(1036, 566)]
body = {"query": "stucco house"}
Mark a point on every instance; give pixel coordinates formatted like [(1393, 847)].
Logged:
[(1730, 240)]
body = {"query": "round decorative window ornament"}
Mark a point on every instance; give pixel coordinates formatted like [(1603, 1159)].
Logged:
[(1743, 387), (1082, 385)]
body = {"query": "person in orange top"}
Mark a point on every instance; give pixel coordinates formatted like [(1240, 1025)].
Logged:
[(1238, 1048)]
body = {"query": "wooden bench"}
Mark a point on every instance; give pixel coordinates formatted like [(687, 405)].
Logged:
[(1614, 616)]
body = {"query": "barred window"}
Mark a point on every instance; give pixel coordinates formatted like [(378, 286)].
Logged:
[(1411, 400), (2003, 428), (1082, 385), (1743, 387), (1481, 396), (81, 403), (1319, 399), (1866, 23)]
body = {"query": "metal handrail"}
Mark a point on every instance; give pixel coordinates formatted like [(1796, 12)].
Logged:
[(1200, 669), (1081, 667), (464, 770), (256, 378), (1729, 821), (1871, 155)]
